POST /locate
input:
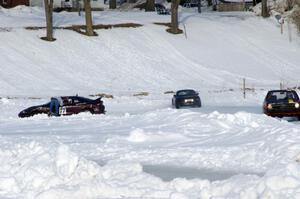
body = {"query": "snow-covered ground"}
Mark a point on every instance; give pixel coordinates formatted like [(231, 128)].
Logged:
[(142, 147)]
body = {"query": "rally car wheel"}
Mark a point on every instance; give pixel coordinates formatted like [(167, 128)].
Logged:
[(92, 111)]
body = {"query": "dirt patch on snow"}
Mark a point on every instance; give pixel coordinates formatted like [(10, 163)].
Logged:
[(5, 29), (81, 28), (96, 27), (103, 95), (163, 24), (141, 94)]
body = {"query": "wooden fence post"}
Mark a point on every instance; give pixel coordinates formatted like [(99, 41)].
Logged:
[(244, 88)]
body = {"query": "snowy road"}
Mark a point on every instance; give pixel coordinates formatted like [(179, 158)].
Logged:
[(148, 126), (140, 136)]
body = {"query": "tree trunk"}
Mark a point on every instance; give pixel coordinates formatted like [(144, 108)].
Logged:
[(150, 6), (174, 15), (78, 7), (290, 4), (264, 8), (199, 6), (174, 18), (209, 2), (112, 4), (49, 20), (88, 18)]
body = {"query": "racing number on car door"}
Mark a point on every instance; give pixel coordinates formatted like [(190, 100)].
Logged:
[(62, 110)]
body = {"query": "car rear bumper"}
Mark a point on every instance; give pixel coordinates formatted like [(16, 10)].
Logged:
[(191, 104), (295, 113)]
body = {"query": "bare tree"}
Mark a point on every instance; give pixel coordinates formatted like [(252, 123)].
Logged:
[(78, 7), (254, 2), (49, 20), (290, 4), (209, 2), (174, 18), (264, 8), (199, 6), (112, 4), (150, 6), (88, 18), (295, 16)]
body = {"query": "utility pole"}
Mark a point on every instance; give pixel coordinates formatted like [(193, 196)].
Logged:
[(244, 88)]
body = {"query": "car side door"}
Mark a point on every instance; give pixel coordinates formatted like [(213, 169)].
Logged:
[(76, 106), (70, 107)]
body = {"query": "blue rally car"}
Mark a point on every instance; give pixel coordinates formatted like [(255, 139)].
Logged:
[(187, 97)]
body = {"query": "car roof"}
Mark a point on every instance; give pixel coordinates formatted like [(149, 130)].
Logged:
[(186, 90), (283, 90), (73, 97)]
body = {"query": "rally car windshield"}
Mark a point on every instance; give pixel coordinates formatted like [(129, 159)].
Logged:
[(282, 96)]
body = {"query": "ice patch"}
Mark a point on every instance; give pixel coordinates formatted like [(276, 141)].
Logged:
[(169, 173)]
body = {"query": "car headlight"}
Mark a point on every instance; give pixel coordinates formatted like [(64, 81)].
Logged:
[(297, 105), (269, 106)]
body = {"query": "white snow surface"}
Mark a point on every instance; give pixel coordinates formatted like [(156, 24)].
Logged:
[(102, 156)]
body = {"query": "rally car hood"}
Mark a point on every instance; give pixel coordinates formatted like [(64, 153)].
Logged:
[(28, 111)]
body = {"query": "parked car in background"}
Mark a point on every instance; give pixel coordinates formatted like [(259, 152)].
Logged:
[(282, 103), (161, 9), (66, 105), (187, 97)]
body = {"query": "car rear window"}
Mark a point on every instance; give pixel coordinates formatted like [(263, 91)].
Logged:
[(186, 92)]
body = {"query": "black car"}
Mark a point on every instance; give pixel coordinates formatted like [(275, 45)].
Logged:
[(282, 103), (34, 110), (161, 9), (66, 105), (187, 97)]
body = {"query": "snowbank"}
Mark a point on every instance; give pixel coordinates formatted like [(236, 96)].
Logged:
[(29, 170), (217, 57), (289, 10)]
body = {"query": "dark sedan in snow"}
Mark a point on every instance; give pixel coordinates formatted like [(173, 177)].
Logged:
[(187, 97), (66, 105), (282, 103), (161, 9)]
